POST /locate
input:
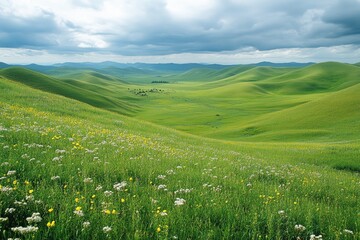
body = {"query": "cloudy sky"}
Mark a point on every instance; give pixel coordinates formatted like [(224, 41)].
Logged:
[(206, 31)]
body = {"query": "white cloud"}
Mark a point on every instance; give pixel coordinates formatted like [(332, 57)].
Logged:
[(343, 53)]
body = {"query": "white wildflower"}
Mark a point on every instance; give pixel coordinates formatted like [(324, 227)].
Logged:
[(347, 231), (281, 212), (3, 219), (120, 186), (98, 188), (300, 228), (217, 188), (86, 224), (24, 230), (179, 201), (56, 159), (10, 210), (6, 189), (53, 178), (162, 186), (60, 151), (29, 198), (182, 190), (20, 203), (79, 213), (11, 172), (107, 229), (163, 214), (314, 237), (161, 177), (108, 193), (170, 172), (35, 218)]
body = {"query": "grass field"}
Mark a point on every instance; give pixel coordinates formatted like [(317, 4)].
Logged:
[(273, 154)]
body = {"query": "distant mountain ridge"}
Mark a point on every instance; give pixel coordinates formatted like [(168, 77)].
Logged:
[(172, 67)]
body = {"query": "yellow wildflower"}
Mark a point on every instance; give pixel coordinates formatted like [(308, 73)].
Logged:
[(122, 200), (31, 191), (50, 224), (50, 210)]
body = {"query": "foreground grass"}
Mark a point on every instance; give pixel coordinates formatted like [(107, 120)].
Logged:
[(91, 174)]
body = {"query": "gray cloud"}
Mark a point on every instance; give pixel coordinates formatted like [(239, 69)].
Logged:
[(34, 32), (140, 27), (345, 14)]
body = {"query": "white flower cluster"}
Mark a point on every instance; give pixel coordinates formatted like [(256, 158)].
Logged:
[(162, 187), (179, 201), (79, 213), (183, 190), (86, 224), (6, 189), (107, 229), (347, 231), (25, 230), (120, 186), (314, 237), (53, 178), (10, 210), (300, 228), (11, 172), (108, 193), (35, 218), (161, 177)]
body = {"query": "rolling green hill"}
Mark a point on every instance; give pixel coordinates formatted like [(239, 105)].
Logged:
[(242, 107), (321, 77), (207, 74), (244, 103), (84, 92)]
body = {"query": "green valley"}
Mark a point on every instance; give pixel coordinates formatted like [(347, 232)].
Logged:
[(180, 152)]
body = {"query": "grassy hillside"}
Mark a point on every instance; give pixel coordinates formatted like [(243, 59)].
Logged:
[(247, 104), (72, 171), (316, 103), (323, 77), (84, 92)]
